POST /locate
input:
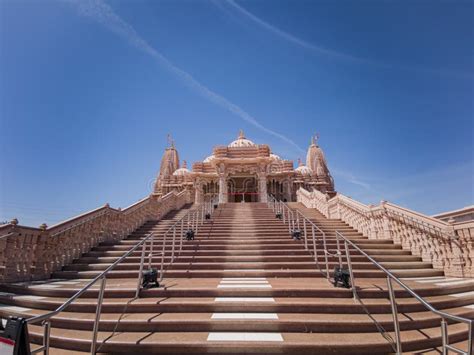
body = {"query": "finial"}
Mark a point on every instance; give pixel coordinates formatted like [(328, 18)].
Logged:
[(43, 227), (185, 165), (170, 140), (14, 221), (241, 134), (314, 139), (300, 163)]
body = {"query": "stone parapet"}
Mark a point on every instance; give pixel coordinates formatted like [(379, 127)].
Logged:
[(446, 245), (28, 253)]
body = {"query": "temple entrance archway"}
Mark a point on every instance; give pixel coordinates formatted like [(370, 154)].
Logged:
[(242, 188)]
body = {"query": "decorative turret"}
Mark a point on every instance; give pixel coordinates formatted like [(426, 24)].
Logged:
[(169, 164), (170, 160), (316, 161)]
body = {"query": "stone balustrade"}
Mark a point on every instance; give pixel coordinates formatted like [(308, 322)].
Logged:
[(28, 253), (446, 245)]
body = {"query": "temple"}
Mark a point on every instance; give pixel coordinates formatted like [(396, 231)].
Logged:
[(244, 171), (302, 270)]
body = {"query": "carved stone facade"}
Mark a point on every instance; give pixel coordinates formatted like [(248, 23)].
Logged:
[(447, 245), (28, 253), (244, 171)]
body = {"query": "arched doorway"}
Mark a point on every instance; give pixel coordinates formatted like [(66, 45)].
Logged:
[(242, 188)]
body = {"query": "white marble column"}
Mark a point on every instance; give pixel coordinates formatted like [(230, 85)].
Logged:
[(222, 189), (262, 187), (198, 196)]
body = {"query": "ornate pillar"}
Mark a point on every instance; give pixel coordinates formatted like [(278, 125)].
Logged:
[(222, 189), (289, 191), (262, 187), (198, 193)]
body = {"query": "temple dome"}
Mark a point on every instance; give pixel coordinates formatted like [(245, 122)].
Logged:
[(209, 159), (241, 141), (275, 157), (182, 171), (303, 169)]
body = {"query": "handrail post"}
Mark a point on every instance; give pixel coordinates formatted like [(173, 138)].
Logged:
[(197, 221), (470, 349), (305, 235), (181, 235), (152, 247), (351, 272), (326, 261), (289, 220), (396, 324), (97, 315), (163, 250), (444, 336), (339, 253), (46, 336), (140, 270), (172, 250), (315, 249)]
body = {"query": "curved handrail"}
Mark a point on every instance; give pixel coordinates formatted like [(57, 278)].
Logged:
[(46, 318), (294, 225), (390, 276), (403, 285), (39, 318)]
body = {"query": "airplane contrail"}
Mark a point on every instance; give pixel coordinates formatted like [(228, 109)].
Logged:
[(332, 53), (102, 13)]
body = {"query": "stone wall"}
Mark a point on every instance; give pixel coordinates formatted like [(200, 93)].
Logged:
[(28, 253), (446, 245)]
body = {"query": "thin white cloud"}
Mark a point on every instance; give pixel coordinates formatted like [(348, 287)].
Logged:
[(293, 39), (349, 177), (102, 13), (332, 53)]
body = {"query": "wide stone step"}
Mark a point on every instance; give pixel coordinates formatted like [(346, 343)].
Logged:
[(238, 343), (177, 265), (248, 273), (244, 258)]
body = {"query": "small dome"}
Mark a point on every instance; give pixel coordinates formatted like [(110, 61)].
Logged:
[(275, 157), (209, 159), (241, 141), (303, 169), (182, 171)]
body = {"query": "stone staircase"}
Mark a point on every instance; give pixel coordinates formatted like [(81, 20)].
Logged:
[(244, 286)]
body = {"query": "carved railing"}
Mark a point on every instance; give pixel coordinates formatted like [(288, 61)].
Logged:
[(28, 253), (443, 244)]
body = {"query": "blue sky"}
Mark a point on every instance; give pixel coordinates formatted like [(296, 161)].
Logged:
[(89, 91)]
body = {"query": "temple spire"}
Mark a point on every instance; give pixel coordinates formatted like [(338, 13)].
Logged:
[(170, 140)]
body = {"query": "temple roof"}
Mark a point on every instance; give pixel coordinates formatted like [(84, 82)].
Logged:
[(182, 171), (241, 141)]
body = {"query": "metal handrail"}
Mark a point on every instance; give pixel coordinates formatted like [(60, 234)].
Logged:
[(287, 215), (193, 218), (390, 276), (46, 318)]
